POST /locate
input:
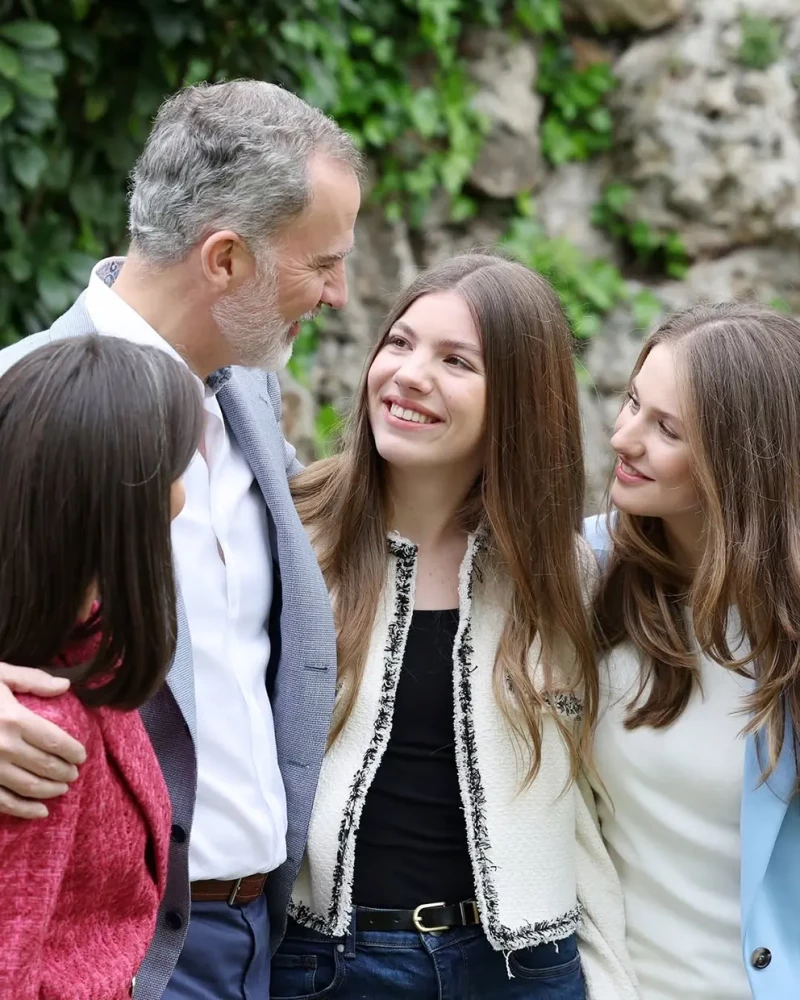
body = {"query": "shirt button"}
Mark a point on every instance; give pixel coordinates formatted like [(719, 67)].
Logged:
[(761, 958), (173, 920), (178, 834)]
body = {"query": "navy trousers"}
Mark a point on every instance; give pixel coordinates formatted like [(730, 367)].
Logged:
[(226, 954)]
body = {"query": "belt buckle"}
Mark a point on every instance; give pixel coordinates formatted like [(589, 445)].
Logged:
[(234, 892), (418, 923)]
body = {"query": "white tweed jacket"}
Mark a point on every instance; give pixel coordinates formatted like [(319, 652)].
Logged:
[(540, 869)]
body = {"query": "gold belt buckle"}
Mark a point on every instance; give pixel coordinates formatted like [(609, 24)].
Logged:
[(235, 892), (418, 923)]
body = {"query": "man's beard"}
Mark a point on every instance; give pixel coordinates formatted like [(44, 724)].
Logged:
[(250, 322)]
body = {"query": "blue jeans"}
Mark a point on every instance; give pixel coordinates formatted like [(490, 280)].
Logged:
[(225, 955), (458, 964)]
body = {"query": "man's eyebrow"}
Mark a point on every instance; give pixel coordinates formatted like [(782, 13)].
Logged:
[(331, 258), (450, 345)]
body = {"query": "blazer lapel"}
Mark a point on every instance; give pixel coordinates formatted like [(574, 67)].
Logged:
[(764, 808), (130, 751), (180, 679), (252, 422)]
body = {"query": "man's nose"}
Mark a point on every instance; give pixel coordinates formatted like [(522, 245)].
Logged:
[(335, 292)]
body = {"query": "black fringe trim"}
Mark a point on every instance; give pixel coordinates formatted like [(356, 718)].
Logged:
[(527, 935), (530, 935), (567, 705), (305, 916), (392, 662), (475, 789)]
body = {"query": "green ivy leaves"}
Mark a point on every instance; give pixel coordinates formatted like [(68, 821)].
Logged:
[(80, 84), (577, 123), (34, 35), (29, 61)]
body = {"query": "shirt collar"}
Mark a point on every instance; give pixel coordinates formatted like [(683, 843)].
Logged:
[(103, 276)]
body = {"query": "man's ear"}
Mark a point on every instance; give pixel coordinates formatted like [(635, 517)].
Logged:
[(227, 263)]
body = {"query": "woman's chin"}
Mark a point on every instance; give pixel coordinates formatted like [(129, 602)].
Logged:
[(399, 456), (622, 500)]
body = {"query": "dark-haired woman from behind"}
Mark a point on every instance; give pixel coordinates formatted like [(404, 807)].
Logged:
[(95, 434), (699, 617), (451, 851)]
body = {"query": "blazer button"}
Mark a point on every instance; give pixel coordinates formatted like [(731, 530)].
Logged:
[(761, 958), (173, 920), (178, 834)]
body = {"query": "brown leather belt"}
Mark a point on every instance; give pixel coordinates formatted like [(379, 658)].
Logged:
[(232, 891)]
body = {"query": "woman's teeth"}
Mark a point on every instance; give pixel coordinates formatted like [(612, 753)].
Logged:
[(413, 415)]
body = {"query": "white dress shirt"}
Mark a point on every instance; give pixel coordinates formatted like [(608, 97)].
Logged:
[(672, 829), (221, 548)]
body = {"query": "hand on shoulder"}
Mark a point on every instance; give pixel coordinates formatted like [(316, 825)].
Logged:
[(42, 730)]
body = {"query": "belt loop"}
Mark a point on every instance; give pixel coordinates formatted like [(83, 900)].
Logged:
[(350, 937), (234, 892)]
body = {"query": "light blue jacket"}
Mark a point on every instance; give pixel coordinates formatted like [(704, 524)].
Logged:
[(770, 867)]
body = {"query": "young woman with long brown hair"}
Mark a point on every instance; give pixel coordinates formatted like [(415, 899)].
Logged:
[(699, 615), (451, 851)]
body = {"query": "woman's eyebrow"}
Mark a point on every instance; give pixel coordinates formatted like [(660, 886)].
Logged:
[(445, 342)]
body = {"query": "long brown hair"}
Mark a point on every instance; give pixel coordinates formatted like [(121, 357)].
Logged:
[(738, 368), (528, 500), (93, 433)]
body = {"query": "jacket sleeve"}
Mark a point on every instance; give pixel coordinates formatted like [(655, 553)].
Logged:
[(606, 964), (35, 855), (597, 532)]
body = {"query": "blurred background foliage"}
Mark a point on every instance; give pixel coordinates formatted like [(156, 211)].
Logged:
[(80, 81)]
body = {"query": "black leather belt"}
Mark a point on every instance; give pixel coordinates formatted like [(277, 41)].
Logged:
[(425, 918)]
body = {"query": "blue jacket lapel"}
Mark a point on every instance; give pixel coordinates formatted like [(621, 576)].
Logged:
[(248, 411), (763, 810)]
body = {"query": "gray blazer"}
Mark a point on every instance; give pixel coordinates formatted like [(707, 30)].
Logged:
[(301, 675)]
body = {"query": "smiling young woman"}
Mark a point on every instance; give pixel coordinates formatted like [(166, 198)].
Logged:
[(451, 848), (699, 617)]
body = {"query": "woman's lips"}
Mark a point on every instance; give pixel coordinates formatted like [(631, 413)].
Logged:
[(628, 474)]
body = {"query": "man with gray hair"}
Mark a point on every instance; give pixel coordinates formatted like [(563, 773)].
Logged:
[(242, 210)]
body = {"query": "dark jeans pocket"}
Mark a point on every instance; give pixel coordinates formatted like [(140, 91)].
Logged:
[(305, 967), (546, 961)]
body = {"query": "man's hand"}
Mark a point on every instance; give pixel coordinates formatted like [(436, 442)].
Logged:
[(37, 759)]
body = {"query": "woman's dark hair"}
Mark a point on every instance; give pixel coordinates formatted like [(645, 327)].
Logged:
[(93, 433)]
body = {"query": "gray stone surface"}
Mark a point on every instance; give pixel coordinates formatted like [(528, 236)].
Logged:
[(643, 14), (504, 69), (710, 147)]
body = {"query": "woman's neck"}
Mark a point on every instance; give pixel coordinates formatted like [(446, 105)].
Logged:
[(423, 505), (424, 508)]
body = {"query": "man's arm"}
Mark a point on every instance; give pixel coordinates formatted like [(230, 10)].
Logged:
[(37, 759)]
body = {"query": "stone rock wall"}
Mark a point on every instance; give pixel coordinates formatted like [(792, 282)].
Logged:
[(709, 146)]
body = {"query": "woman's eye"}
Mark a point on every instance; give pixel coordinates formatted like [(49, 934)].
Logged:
[(457, 362), (667, 432), (633, 402)]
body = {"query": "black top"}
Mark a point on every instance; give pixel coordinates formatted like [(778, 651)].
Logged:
[(412, 840)]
